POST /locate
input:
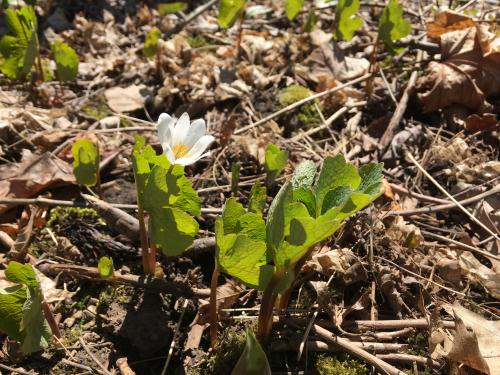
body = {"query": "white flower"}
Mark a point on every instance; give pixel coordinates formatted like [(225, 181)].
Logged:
[(183, 142)]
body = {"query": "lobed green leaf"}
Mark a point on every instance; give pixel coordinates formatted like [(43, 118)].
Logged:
[(275, 162), (229, 11), (346, 21), (392, 26), (66, 61), (151, 43), (293, 7), (86, 162)]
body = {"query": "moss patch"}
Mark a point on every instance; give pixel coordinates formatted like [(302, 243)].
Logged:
[(329, 365)]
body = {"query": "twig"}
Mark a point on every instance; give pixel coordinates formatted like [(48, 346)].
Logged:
[(380, 364), (172, 344), (447, 206), (422, 197), (301, 102), (461, 245), (408, 358), (457, 203), (67, 362), (16, 371), (190, 17), (400, 109), (320, 346), (104, 370), (92, 273), (123, 366)]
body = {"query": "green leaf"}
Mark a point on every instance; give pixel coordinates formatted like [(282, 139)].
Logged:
[(151, 42), (392, 26), (230, 215), (172, 229), (229, 11), (312, 20), (293, 7), (253, 360), (106, 267), (335, 172), (303, 176), (86, 163), (19, 50), (11, 311), (169, 8), (275, 225), (66, 61), (258, 197), (275, 161), (32, 330), (346, 21)]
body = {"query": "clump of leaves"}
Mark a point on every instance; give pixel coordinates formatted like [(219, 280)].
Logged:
[(21, 314), (275, 162), (19, 49), (346, 21), (229, 11), (392, 26), (328, 365), (66, 61), (306, 210)]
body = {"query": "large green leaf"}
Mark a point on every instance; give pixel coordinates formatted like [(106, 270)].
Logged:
[(253, 360), (21, 307), (258, 196), (229, 10), (293, 7), (346, 21), (19, 50), (275, 161), (392, 26), (151, 42), (66, 61), (172, 229), (86, 162)]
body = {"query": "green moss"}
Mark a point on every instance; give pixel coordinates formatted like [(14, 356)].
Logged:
[(61, 215), (71, 337), (198, 41), (329, 365), (97, 108), (307, 114)]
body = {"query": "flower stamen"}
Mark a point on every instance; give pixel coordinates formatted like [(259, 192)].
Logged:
[(180, 150)]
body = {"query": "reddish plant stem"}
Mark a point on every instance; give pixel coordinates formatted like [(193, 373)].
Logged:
[(50, 319), (266, 308), (240, 34), (143, 235), (214, 317)]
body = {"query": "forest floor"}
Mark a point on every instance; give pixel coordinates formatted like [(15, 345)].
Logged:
[(413, 280)]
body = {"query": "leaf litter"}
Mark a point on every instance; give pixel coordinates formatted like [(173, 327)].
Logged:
[(385, 276)]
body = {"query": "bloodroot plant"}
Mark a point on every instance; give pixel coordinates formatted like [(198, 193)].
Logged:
[(164, 192), (267, 255)]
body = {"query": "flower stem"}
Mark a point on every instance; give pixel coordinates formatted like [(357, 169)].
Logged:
[(214, 321), (47, 312), (266, 308), (144, 241)]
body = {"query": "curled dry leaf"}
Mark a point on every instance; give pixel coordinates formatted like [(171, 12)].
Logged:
[(478, 272), (34, 174), (405, 234), (469, 72)]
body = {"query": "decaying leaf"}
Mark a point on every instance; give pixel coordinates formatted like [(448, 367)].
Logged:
[(126, 99), (446, 22), (478, 272), (405, 234), (469, 72)]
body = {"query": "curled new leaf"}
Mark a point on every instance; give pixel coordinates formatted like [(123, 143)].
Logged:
[(229, 11), (275, 161), (106, 267), (346, 21), (253, 360), (86, 162), (151, 42), (66, 61), (392, 26), (293, 7)]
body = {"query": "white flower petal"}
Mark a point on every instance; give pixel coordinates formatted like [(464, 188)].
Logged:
[(200, 146), (181, 129), (191, 160), (196, 131), (167, 150), (165, 123)]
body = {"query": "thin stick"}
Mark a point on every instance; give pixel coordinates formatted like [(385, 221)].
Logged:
[(457, 203), (94, 358), (172, 344), (381, 365), (214, 321), (408, 358), (301, 102), (447, 206), (190, 17)]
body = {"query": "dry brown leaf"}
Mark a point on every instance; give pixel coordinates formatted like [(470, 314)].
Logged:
[(446, 22), (405, 234), (486, 122), (478, 272), (386, 279), (478, 348), (34, 174), (126, 99), (468, 74)]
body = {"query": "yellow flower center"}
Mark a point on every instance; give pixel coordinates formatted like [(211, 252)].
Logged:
[(180, 150)]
